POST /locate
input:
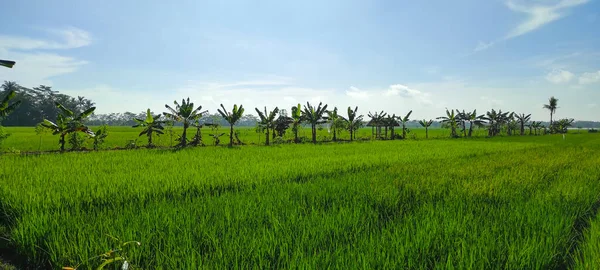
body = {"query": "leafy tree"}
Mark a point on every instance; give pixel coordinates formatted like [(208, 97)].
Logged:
[(267, 121), (376, 122), (495, 121), (231, 118), (101, 135), (186, 114), (5, 106), (152, 124), (197, 139), (562, 125), (334, 121), (314, 116), (282, 123), (426, 124), (451, 120), (522, 119), (551, 106), (403, 121), (390, 121), (297, 119), (67, 123), (353, 121)]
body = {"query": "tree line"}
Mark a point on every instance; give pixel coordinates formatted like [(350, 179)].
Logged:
[(68, 117)]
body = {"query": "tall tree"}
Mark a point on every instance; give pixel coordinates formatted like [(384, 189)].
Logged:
[(297, 119), (474, 120), (152, 124), (184, 113), (403, 121), (523, 118), (426, 124), (353, 121), (68, 122), (551, 106), (231, 118), (334, 119), (314, 116), (267, 120), (376, 122), (451, 120)]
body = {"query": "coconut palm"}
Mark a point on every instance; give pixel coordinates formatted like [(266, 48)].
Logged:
[(231, 117), (451, 120), (267, 120), (68, 122), (5, 106), (186, 114), (152, 124), (353, 122), (522, 118), (334, 121), (403, 121), (551, 106), (314, 116), (296, 120)]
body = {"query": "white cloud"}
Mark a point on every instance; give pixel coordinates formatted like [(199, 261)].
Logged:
[(492, 102), (589, 77), (558, 76), (539, 15), (36, 67), (483, 46), (405, 91), (357, 93)]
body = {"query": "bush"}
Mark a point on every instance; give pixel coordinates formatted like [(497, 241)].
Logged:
[(592, 130)]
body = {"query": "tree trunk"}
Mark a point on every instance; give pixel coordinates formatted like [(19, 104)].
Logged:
[(184, 135), (403, 131), (231, 135), (426, 133), (314, 133), (351, 138), (267, 137), (296, 134), (62, 142), (392, 132), (334, 135), (470, 129), (149, 139), (386, 129)]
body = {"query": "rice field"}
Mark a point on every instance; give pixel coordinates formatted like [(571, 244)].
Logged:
[(516, 202)]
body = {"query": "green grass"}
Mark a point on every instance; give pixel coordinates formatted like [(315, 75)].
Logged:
[(506, 202)]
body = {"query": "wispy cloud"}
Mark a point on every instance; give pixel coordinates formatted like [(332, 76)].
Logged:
[(537, 16), (407, 92), (70, 37), (558, 76), (589, 77), (356, 93)]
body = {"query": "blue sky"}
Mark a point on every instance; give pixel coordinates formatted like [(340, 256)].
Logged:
[(380, 55)]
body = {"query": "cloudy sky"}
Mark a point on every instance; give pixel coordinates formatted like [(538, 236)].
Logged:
[(379, 55)]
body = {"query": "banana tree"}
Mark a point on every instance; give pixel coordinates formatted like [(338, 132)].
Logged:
[(474, 120), (297, 119), (426, 124), (451, 120), (314, 116), (522, 118), (334, 119), (5, 106), (7, 63), (353, 122), (390, 121), (267, 120), (186, 114), (376, 122), (403, 121), (562, 125), (68, 122), (152, 124), (231, 117)]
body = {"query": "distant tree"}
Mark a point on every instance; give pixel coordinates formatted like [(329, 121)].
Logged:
[(267, 121), (403, 121), (231, 118), (496, 119), (377, 120), (297, 119), (451, 120), (511, 124), (426, 124), (353, 122), (314, 116), (523, 118), (562, 125), (551, 106), (282, 123), (197, 139), (68, 123), (152, 124), (184, 113), (390, 121)]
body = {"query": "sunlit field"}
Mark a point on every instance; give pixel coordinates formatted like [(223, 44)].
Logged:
[(520, 202)]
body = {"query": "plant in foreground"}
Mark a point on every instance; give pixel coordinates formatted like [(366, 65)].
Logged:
[(114, 256)]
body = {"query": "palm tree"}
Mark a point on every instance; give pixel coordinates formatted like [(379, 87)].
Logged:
[(451, 120), (461, 118), (152, 124), (353, 121), (404, 121), (231, 118), (390, 121), (426, 124), (267, 121), (67, 122), (551, 106), (522, 118), (474, 119), (184, 113), (296, 120), (5, 106), (376, 122), (495, 121), (314, 116), (334, 119)]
